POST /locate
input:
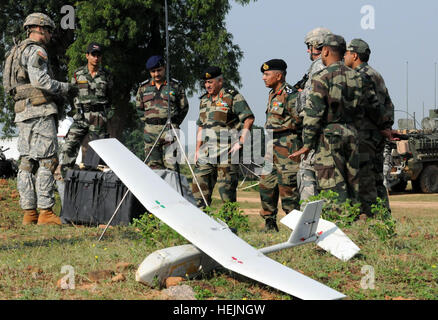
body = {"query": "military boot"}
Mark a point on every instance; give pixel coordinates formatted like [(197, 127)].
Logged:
[(270, 224), (47, 217), (30, 217)]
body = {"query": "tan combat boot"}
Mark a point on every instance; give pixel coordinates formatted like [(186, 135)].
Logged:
[(47, 217), (30, 217)]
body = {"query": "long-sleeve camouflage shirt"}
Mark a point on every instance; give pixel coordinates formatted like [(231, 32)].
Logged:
[(152, 103), (338, 96), (315, 67), (281, 113), (93, 91), (387, 113)]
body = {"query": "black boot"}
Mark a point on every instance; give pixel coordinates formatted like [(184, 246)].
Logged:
[(270, 224)]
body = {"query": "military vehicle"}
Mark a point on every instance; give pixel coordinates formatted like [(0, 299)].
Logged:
[(414, 158), (8, 167)]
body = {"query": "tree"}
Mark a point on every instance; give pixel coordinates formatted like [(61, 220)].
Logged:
[(131, 31)]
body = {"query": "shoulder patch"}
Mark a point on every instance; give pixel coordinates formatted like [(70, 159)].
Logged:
[(42, 54)]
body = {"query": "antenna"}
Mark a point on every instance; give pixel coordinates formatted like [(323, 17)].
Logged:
[(435, 86), (407, 91)]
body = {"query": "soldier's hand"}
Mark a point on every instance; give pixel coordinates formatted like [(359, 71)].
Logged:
[(390, 135), (296, 156), (236, 147), (73, 90)]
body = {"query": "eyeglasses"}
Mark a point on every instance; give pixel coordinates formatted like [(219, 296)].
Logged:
[(48, 30)]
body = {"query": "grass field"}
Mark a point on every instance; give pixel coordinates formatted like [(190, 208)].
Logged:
[(32, 257)]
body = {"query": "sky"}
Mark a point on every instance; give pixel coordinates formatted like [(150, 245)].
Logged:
[(404, 45)]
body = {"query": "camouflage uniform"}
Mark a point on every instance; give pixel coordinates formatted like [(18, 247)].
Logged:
[(373, 143), (306, 177), (333, 109), (93, 110), (223, 116), (36, 118), (152, 108), (283, 119)]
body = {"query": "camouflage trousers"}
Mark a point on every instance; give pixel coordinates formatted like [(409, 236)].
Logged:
[(225, 175), (371, 181), (161, 156), (281, 181), (337, 161), (90, 126), (38, 147), (306, 178)]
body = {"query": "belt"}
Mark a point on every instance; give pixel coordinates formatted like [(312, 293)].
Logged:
[(156, 121), (284, 133)]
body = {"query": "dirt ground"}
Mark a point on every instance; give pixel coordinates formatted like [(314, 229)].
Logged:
[(396, 201)]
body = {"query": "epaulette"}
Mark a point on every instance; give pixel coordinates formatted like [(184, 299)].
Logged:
[(289, 90), (200, 97), (145, 82), (231, 91), (176, 81), (78, 69)]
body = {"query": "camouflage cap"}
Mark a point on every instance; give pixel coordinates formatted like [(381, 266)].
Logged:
[(358, 46), (38, 19), (334, 40)]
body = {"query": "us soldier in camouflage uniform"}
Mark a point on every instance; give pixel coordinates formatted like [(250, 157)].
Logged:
[(29, 79), (373, 130), (306, 178), (152, 106), (333, 110), (283, 119), (93, 106), (222, 113)]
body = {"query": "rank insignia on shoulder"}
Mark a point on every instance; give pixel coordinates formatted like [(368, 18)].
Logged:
[(232, 92), (288, 90), (145, 82)]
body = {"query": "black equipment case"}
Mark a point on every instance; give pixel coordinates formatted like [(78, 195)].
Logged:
[(91, 198)]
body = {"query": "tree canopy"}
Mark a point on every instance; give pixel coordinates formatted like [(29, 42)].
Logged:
[(130, 31)]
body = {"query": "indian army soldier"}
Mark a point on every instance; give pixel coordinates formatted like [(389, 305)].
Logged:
[(306, 178), (283, 120), (28, 78), (334, 108), (223, 112), (92, 104), (152, 106), (372, 130)]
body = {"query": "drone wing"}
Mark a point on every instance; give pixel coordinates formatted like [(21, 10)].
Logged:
[(211, 237)]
